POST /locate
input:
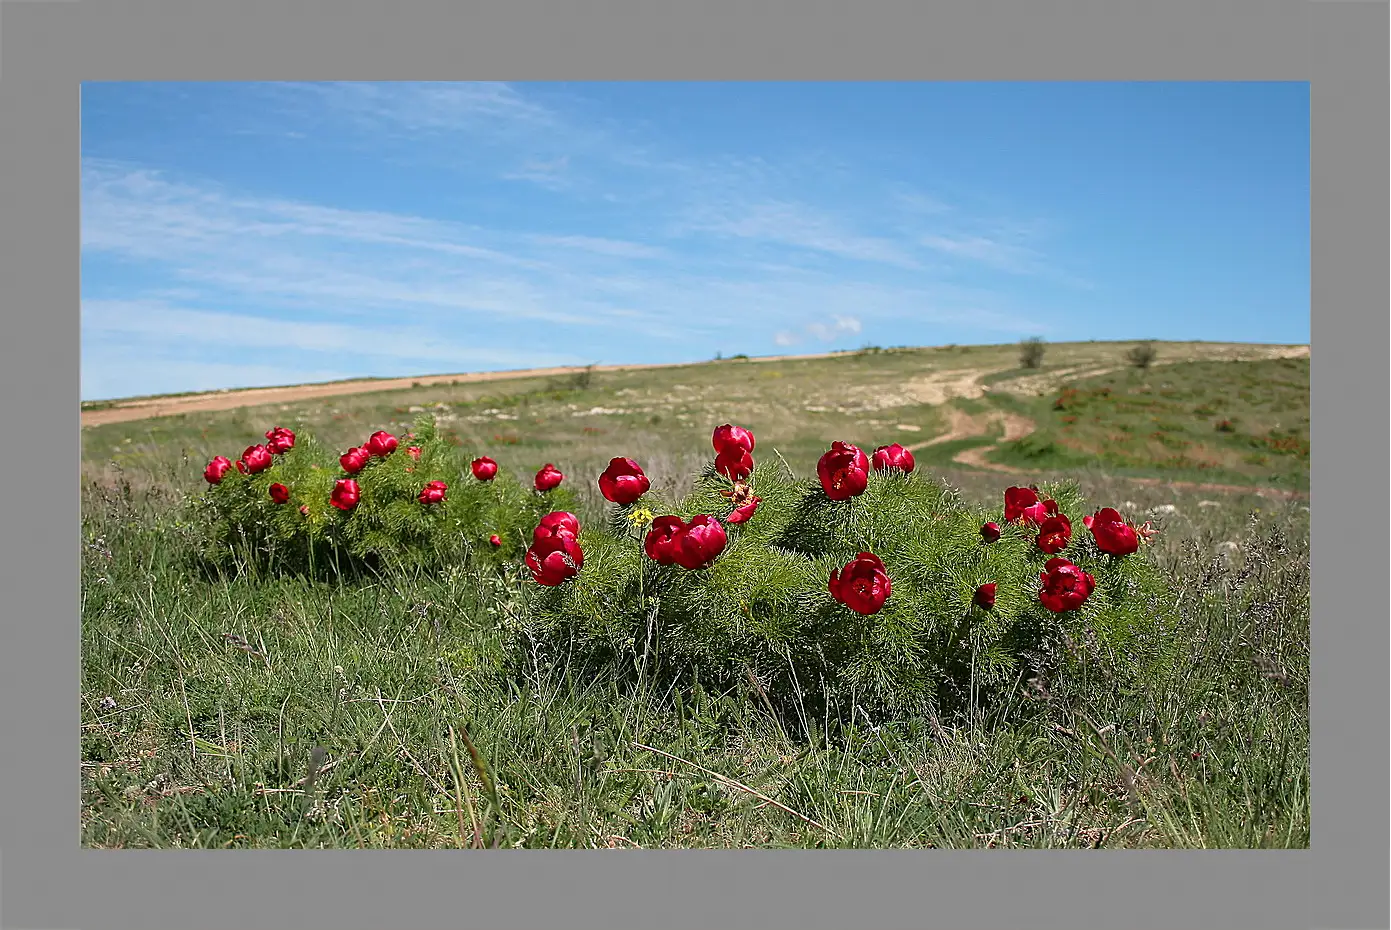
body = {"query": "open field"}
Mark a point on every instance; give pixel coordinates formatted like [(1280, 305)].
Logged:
[(203, 698)]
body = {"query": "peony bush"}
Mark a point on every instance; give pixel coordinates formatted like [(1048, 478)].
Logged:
[(868, 585)]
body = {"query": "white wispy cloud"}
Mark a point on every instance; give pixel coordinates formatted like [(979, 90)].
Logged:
[(800, 226)]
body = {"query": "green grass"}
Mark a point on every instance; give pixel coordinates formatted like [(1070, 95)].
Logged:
[(202, 698)]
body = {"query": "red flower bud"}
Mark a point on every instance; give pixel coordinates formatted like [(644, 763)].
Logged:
[(1113, 535), (732, 436), (495, 540), (433, 493), (218, 467), (414, 452), (862, 585), (701, 543), (280, 440), (1016, 501), (484, 469), (279, 493), (1065, 586), (554, 560), (304, 510), (990, 532), (256, 459), (345, 494), (1054, 533), (354, 460), (893, 456), (734, 462), (742, 513), (664, 539), (548, 478), (985, 596), (623, 482), (554, 524), (381, 444), (844, 471)]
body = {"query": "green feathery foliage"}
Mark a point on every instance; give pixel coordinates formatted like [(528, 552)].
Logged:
[(763, 608)]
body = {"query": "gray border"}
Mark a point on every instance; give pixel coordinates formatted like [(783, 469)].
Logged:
[(48, 48)]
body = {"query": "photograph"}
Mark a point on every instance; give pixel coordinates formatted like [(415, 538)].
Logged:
[(695, 465)]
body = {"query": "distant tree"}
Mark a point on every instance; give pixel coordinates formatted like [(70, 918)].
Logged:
[(1142, 355), (1031, 352)]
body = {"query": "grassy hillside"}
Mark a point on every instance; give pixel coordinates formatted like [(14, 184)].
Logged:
[(204, 699)]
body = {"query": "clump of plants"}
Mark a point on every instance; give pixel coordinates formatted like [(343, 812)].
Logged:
[(1031, 352), (412, 501), (1143, 355), (867, 586)]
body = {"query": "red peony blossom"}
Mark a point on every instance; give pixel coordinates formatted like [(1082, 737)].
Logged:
[(257, 459), (990, 532), (1054, 533), (548, 478), (734, 462), (1113, 535), (844, 471), (218, 467), (381, 444), (552, 561), (701, 543), (728, 436), (484, 469), (664, 539), (1016, 500), (985, 596), (280, 440), (495, 541), (1065, 586), (241, 466), (345, 494), (623, 482), (354, 460), (742, 513), (554, 524), (1041, 511), (304, 510), (279, 493), (893, 456), (862, 585), (433, 493), (414, 452)]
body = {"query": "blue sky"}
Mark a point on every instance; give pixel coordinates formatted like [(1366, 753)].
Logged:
[(254, 234)]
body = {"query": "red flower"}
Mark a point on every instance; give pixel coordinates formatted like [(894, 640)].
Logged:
[(414, 452), (345, 494), (433, 493), (664, 539), (1113, 535), (1065, 586), (354, 460), (990, 532), (1146, 530), (742, 513), (893, 456), (381, 444), (279, 493), (241, 466), (701, 543), (256, 458), (1016, 500), (734, 462), (728, 436), (552, 561), (484, 469), (862, 585), (985, 596), (280, 440), (218, 467), (1037, 513), (548, 478), (623, 482), (495, 540), (844, 471), (1054, 533), (555, 524), (304, 510)]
